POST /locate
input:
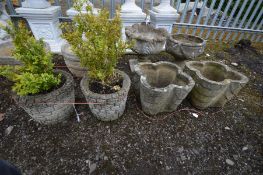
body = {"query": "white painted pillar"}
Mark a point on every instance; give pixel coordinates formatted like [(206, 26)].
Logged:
[(43, 21), (72, 12), (131, 14), (3, 21), (164, 15)]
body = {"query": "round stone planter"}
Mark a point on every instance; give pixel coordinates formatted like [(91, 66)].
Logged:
[(163, 86), (148, 40), (107, 107), (215, 83), (185, 46), (6, 48), (53, 107), (72, 61)]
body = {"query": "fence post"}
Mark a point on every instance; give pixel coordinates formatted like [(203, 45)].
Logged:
[(131, 14), (43, 20), (164, 15)]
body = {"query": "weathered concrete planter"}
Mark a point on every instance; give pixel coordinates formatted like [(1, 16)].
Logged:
[(163, 86), (52, 107), (107, 107), (6, 48), (148, 40), (72, 61), (185, 46), (216, 83)]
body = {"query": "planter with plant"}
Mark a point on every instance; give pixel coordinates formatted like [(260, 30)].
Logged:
[(96, 40), (42, 92)]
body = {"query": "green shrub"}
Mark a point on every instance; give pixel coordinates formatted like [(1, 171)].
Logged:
[(96, 40), (36, 73)]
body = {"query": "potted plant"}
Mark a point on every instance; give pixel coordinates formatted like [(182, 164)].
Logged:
[(96, 40), (41, 91)]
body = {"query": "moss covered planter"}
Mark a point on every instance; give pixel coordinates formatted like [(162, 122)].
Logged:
[(107, 107), (216, 83), (163, 86), (53, 107), (148, 40), (72, 61), (185, 46)]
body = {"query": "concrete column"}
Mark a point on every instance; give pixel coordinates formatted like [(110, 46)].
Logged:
[(43, 21), (131, 14), (3, 21), (164, 15)]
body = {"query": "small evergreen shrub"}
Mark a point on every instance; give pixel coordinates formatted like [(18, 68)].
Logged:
[(96, 40), (36, 73)]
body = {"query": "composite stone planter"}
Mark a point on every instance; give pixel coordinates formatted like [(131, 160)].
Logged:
[(215, 83), (185, 46), (163, 86), (72, 61), (148, 40), (53, 107), (107, 107)]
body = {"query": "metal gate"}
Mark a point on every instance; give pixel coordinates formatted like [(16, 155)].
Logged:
[(223, 20)]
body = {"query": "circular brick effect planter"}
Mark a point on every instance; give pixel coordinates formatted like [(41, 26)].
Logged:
[(107, 107), (72, 61), (52, 107)]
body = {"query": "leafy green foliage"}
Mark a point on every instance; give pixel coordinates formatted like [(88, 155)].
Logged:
[(96, 40), (36, 73)]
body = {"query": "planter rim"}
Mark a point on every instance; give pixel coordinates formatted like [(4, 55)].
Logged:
[(125, 85), (68, 81), (69, 55), (244, 79), (160, 37), (170, 37), (143, 78)]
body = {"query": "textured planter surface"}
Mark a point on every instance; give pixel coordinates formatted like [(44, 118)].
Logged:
[(72, 61), (148, 40), (216, 83), (6, 48), (52, 107), (185, 46), (163, 86), (107, 107)]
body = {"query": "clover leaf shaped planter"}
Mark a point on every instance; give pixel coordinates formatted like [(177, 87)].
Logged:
[(52, 107), (215, 83), (72, 61), (185, 46), (163, 86), (148, 40)]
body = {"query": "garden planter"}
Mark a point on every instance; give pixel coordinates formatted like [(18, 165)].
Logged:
[(185, 46), (148, 40), (215, 83), (51, 107), (72, 61), (163, 86), (6, 49), (107, 107)]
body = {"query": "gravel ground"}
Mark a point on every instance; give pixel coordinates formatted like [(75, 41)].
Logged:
[(219, 141)]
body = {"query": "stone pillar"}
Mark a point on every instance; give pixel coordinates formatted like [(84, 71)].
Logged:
[(43, 21), (3, 21), (72, 12), (131, 14), (164, 15)]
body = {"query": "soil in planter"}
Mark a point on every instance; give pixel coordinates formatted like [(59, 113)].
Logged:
[(5, 51), (114, 86)]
